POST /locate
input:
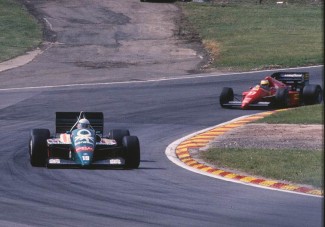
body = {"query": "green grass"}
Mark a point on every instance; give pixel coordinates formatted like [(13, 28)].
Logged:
[(20, 31), (298, 166), (251, 37), (313, 114), (294, 165)]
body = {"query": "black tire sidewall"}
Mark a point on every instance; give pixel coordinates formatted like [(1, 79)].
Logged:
[(132, 152), (312, 94), (38, 147), (281, 98), (227, 95)]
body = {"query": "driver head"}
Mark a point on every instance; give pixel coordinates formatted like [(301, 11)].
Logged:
[(83, 123), (264, 83)]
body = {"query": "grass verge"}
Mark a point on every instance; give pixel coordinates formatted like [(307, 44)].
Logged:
[(20, 31), (255, 37), (293, 165), (299, 166), (313, 114)]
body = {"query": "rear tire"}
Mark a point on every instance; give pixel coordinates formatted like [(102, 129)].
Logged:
[(281, 98), (118, 134), (227, 95), (38, 147), (132, 152), (312, 94)]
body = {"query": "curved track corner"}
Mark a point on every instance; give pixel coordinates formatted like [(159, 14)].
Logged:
[(179, 153)]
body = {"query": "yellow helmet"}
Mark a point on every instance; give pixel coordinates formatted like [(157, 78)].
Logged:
[(264, 83)]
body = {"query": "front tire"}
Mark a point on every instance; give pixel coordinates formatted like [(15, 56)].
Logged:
[(312, 94), (118, 134), (38, 147), (132, 152), (227, 95)]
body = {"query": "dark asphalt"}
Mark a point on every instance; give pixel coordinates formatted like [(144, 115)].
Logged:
[(159, 193)]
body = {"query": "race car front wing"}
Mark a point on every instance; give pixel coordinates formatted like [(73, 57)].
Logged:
[(237, 104), (66, 163)]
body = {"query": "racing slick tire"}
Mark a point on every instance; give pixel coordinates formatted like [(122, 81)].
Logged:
[(281, 98), (38, 147), (227, 95), (312, 94), (132, 152), (118, 134)]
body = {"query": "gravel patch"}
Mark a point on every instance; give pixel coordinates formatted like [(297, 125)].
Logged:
[(273, 136)]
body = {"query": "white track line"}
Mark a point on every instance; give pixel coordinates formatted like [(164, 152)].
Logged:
[(147, 81)]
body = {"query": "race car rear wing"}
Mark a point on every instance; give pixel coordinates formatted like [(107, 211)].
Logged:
[(295, 79), (66, 120)]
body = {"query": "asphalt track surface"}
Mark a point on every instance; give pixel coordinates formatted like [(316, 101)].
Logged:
[(159, 193)]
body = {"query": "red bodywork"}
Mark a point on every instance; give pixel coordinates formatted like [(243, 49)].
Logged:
[(260, 94)]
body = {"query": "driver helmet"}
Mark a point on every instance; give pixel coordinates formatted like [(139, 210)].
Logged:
[(83, 123), (265, 83)]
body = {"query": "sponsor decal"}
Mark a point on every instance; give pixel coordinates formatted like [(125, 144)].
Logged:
[(79, 149), (65, 138), (54, 161), (85, 158), (84, 137), (115, 161), (59, 140), (53, 141), (292, 75), (105, 141)]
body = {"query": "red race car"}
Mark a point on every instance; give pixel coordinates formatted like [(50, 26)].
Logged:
[(280, 90)]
